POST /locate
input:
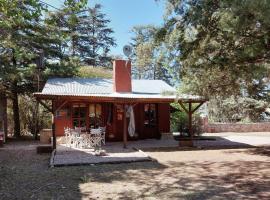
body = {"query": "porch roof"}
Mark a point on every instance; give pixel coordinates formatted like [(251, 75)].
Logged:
[(102, 90)]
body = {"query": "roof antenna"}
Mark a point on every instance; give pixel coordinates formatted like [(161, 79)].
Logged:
[(127, 50)]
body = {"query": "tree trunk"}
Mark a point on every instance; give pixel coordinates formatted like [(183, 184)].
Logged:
[(36, 120), (16, 113)]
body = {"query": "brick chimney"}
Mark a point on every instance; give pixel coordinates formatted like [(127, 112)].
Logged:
[(122, 76)]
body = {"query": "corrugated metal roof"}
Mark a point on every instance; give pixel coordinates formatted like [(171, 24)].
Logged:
[(78, 86), (87, 86), (150, 87)]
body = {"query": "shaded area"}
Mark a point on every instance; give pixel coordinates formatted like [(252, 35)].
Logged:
[(206, 174)]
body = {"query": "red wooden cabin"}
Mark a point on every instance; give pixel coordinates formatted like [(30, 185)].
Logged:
[(90, 103)]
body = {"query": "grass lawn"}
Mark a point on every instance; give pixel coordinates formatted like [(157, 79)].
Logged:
[(203, 174)]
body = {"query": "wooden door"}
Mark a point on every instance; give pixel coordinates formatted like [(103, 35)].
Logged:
[(150, 121), (119, 122)]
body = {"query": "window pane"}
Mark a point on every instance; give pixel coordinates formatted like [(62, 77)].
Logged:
[(76, 112), (146, 114), (98, 110), (83, 112), (150, 115), (153, 114), (75, 123), (83, 124), (92, 122), (146, 107), (92, 110), (83, 105)]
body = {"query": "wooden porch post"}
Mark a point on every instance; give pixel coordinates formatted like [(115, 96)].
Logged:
[(190, 121), (53, 126), (189, 112), (125, 127), (53, 133)]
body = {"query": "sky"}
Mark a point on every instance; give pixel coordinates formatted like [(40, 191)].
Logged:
[(125, 14)]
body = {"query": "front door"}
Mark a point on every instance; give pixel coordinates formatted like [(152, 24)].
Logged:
[(150, 122), (119, 122)]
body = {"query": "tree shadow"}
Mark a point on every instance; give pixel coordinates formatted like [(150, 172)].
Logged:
[(219, 143), (25, 175), (262, 151), (248, 180)]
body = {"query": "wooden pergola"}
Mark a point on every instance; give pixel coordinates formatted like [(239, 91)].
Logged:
[(190, 100)]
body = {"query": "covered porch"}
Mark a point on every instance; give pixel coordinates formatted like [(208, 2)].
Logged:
[(110, 111)]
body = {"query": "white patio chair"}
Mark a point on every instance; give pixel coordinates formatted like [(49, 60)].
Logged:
[(103, 133), (67, 136), (83, 141), (96, 138), (75, 138)]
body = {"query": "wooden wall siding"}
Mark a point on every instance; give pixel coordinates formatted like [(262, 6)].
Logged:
[(164, 114), (116, 127)]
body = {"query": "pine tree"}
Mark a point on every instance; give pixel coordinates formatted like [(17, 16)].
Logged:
[(94, 37), (152, 60), (30, 45), (223, 46), (88, 35)]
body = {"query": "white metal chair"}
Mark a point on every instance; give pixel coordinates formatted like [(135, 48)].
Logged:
[(83, 141), (67, 132), (75, 138), (95, 138), (103, 133)]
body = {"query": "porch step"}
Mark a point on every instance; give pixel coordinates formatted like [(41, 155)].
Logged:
[(166, 136)]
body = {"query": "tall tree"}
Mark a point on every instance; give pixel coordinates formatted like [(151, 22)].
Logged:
[(89, 37), (94, 37), (26, 36), (19, 27), (152, 60), (223, 46)]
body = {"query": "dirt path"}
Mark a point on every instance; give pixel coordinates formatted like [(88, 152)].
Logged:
[(204, 174)]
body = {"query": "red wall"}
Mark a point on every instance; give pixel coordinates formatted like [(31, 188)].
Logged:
[(164, 117), (116, 128), (62, 122)]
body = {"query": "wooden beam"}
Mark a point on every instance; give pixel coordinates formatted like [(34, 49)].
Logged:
[(61, 106), (125, 127), (190, 121), (197, 107), (183, 106)]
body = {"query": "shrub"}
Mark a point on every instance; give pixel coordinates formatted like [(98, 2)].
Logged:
[(179, 121)]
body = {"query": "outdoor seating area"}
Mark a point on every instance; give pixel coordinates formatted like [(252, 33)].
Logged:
[(77, 138)]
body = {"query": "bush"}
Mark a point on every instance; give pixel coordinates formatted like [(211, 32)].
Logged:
[(179, 121)]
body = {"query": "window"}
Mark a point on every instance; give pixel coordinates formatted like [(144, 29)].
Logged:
[(79, 115), (150, 115), (95, 112)]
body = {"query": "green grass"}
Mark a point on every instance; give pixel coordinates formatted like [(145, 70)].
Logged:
[(94, 72)]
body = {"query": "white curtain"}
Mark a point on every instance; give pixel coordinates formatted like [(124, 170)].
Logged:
[(131, 126)]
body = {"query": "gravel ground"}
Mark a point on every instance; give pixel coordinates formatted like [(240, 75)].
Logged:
[(197, 174)]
